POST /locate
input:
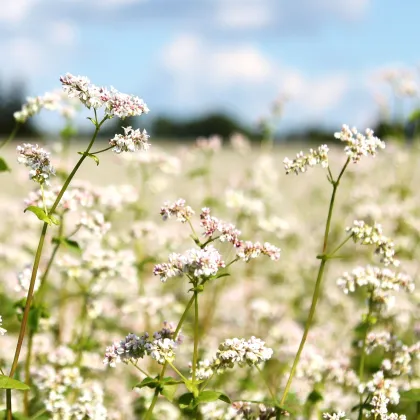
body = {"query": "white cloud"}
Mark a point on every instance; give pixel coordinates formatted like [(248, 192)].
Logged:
[(63, 33), (189, 56), (16, 10), (240, 14)]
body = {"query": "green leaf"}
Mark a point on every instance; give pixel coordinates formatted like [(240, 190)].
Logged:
[(168, 380), (19, 416), (411, 394), (415, 115), (219, 276), (92, 121), (195, 173), (315, 397), (148, 382), (10, 383), (91, 155), (3, 165), (169, 391), (40, 213), (69, 243), (186, 400), (210, 396)]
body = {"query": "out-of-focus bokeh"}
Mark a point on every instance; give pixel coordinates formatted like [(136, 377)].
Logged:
[(219, 66)]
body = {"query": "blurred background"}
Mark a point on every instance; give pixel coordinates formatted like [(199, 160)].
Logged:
[(298, 68)]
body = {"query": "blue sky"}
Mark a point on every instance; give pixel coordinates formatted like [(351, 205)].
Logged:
[(187, 57)]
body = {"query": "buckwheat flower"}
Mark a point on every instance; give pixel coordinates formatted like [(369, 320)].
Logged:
[(168, 331), (212, 225), (94, 222), (130, 141), (177, 209), (378, 339), (38, 160), (372, 235), (240, 143), (24, 280), (2, 330), (204, 369), (34, 105), (335, 416), (379, 384), (211, 144), (358, 144), (204, 262), (127, 350), (302, 162), (249, 250), (161, 350), (241, 352), (380, 282), (115, 103)]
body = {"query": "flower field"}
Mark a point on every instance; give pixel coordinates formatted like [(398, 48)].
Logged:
[(216, 280)]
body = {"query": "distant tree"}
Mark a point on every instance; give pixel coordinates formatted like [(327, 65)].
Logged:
[(207, 125), (11, 100)]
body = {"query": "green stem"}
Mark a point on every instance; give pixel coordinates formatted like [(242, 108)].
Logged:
[(28, 372), (196, 337), (339, 246), (35, 271), (363, 354), (149, 412), (273, 396), (318, 283), (11, 137), (102, 150), (177, 371)]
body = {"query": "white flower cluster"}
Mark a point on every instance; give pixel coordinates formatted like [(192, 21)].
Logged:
[(24, 280), (380, 282), (399, 357), (34, 105), (235, 351), (38, 160), (227, 231), (358, 144), (130, 141), (302, 162), (177, 209), (372, 235), (2, 330), (245, 409), (115, 103), (318, 369), (132, 348), (335, 416), (210, 145), (379, 409), (195, 262), (379, 384), (67, 395), (94, 222), (249, 250)]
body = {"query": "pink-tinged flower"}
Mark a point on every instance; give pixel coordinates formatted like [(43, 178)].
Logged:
[(358, 144), (130, 141), (302, 162), (178, 209), (249, 250), (212, 225), (34, 105), (115, 103), (38, 160)]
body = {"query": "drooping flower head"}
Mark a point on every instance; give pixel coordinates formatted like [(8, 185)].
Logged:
[(131, 141), (38, 160)]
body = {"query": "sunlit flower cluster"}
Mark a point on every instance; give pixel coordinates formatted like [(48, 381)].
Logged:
[(34, 105), (358, 144), (38, 160), (372, 235), (302, 162), (131, 141), (261, 412), (2, 330), (233, 352), (195, 262), (380, 283), (177, 209), (339, 415), (379, 384), (115, 103), (249, 250)]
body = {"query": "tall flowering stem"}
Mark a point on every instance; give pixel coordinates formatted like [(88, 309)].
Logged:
[(11, 137), (148, 415), (363, 351), (38, 255), (324, 258)]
